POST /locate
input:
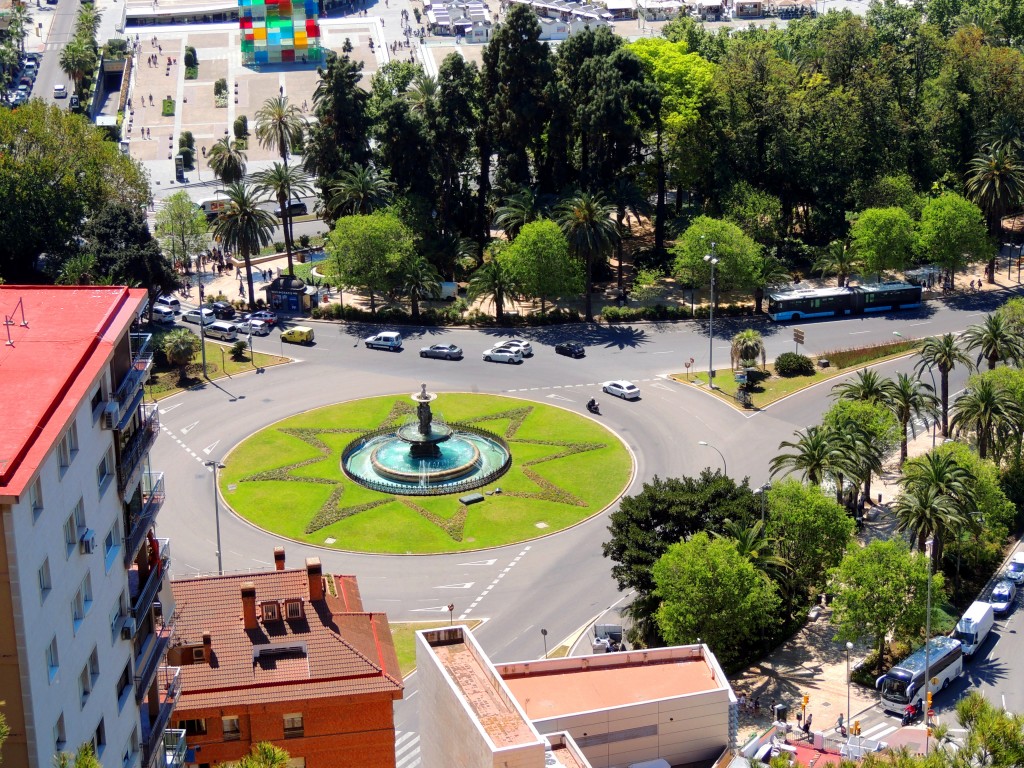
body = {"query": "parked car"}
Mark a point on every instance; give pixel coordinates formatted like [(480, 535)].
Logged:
[(168, 301), (1003, 595), (524, 347), (570, 349), (388, 340), (498, 355), (254, 327), (60, 91), (294, 208), (222, 310), (263, 315), (443, 351), (1015, 570), (627, 390), (298, 334), (163, 315), (193, 315)]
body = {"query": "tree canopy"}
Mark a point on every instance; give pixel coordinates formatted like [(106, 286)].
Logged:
[(369, 252)]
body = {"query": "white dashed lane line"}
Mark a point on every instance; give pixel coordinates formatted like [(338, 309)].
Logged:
[(184, 447), (570, 386), (493, 584)]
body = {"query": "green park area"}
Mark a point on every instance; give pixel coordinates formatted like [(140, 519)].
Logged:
[(222, 360), (288, 479)]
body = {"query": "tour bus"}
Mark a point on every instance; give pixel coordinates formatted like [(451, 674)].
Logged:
[(905, 683)]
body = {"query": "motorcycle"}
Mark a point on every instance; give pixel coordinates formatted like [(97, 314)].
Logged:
[(910, 714), (594, 407)]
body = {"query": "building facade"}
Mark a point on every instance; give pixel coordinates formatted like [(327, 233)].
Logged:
[(84, 614), (288, 657)]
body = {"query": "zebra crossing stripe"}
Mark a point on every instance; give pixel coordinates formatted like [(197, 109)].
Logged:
[(407, 749)]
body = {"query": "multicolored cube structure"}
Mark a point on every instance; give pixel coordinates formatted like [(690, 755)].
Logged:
[(276, 31)]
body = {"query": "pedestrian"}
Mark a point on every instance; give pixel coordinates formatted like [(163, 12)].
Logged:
[(807, 725), (757, 704), (799, 718), (839, 723), (241, 290)]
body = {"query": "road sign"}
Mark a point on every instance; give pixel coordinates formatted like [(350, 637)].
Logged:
[(798, 336)]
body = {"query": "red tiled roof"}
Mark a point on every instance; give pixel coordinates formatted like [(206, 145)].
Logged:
[(46, 371), (340, 652)]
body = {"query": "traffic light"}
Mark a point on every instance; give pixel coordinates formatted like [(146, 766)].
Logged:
[(855, 731), (929, 733), (806, 699), (929, 699)]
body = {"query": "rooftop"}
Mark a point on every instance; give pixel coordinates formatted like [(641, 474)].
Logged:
[(48, 363)]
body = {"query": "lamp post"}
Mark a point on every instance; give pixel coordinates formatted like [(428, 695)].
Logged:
[(762, 491), (706, 444), (202, 341), (849, 713), (214, 466), (712, 260), (544, 634), (927, 639)]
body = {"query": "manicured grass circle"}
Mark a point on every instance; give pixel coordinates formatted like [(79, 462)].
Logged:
[(287, 478)]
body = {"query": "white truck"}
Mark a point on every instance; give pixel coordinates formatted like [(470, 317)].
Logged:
[(974, 627)]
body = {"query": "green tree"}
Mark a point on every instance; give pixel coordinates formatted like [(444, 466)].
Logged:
[(180, 346), (181, 227), (708, 590), (265, 755), (338, 138), (815, 452), (908, 397), (837, 259), (540, 262), (586, 221), (922, 511), (938, 473), (284, 184), (1007, 443), (227, 161), (245, 227), (755, 544), (952, 233), (451, 124), (994, 339), (493, 280), (880, 592), (369, 252), (359, 190), (983, 410), (1012, 311), (867, 386), (79, 269), (768, 272), (868, 431), (883, 239), (944, 354), (737, 255), (519, 209), (77, 59), (280, 127), (419, 281), (995, 181), (747, 345)]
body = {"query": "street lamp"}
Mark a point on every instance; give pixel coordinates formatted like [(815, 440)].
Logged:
[(214, 466), (706, 444), (927, 639), (710, 259), (849, 712), (544, 634), (762, 491)]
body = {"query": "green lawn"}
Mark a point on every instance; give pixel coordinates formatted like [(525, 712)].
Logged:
[(166, 381), (287, 478), (404, 635)]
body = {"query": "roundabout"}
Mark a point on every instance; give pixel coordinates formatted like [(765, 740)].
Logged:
[(387, 475)]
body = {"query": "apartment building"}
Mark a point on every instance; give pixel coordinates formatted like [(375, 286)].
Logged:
[(85, 617), (287, 656)]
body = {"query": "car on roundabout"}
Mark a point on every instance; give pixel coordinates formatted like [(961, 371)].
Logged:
[(1003, 595), (524, 347), (499, 355), (391, 340), (571, 349), (253, 327), (627, 390), (298, 334), (263, 315), (442, 351)]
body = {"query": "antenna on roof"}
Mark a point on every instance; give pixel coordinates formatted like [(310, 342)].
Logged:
[(9, 320)]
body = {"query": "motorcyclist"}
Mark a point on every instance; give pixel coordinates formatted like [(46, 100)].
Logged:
[(592, 404)]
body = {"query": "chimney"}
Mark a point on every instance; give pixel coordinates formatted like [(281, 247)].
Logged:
[(279, 558), (316, 578), (208, 647), (249, 605)]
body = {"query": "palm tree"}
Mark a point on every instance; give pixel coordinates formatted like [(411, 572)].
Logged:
[(939, 472), (19, 21), (245, 227), (586, 220), (265, 755), (359, 191), (79, 269), (226, 161), (491, 281), (868, 386), (283, 184), (995, 339), (995, 182), (88, 21), (180, 346), (815, 453), (748, 344), (860, 458), (423, 91), (982, 408), (756, 545), (77, 59), (768, 272), (279, 126), (944, 354), (838, 259), (517, 210), (628, 198), (419, 281), (908, 397), (923, 511)]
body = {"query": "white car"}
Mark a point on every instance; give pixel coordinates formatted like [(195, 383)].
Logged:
[(60, 91), (253, 326), (1015, 571), (523, 346), (627, 390), (193, 315), (1002, 597), (388, 340), (498, 355)]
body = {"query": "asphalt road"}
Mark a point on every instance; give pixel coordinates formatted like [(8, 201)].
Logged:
[(61, 31), (558, 582)]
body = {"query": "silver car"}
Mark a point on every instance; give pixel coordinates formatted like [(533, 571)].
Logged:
[(524, 347), (442, 351), (627, 390), (499, 355), (1003, 595)]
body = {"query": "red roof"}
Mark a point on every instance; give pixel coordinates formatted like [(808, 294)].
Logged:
[(53, 359), (330, 652)]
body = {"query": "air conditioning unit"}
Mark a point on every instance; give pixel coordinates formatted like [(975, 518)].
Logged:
[(128, 628), (87, 542), (110, 414)]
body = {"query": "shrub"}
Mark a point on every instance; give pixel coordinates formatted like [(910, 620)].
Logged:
[(188, 156), (186, 140), (792, 364), (238, 350), (279, 246), (220, 88), (846, 358), (168, 108), (116, 48), (191, 73), (191, 60), (241, 127), (304, 241)]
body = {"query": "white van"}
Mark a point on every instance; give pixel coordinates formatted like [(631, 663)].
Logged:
[(974, 627), (169, 302), (193, 315), (223, 330), (214, 207), (387, 340), (163, 315)]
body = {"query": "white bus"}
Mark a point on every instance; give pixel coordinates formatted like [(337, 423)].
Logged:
[(905, 683)]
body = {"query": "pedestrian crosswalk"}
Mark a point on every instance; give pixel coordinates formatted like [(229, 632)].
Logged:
[(407, 749), (879, 732)]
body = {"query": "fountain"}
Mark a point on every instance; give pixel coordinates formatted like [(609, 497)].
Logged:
[(426, 455)]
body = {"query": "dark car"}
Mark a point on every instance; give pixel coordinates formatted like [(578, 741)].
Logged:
[(443, 351), (222, 310), (570, 349), (294, 208)]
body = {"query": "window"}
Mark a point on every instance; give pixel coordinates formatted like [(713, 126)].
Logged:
[(96, 403), (84, 685), (112, 545), (94, 666), (270, 611), (35, 495), (59, 735), (130, 750), (99, 739), (74, 526), (293, 609), (117, 614), (104, 471), (198, 654), (231, 730), (193, 727), (293, 726), (82, 602), (53, 658), (124, 685), (63, 454), (45, 584)]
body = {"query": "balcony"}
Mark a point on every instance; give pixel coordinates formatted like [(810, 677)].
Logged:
[(130, 463), (143, 595), (140, 522), (154, 725), (120, 406), (174, 749), (149, 652)]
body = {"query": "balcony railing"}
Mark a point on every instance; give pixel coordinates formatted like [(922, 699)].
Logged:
[(143, 599), (168, 691), (131, 385), (130, 465), (147, 659), (174, 749), (140, 522)]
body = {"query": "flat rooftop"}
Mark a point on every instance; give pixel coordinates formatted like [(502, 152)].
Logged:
[(545, 693)]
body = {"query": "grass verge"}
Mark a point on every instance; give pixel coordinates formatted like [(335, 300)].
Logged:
[(404, 635), (166, 381)]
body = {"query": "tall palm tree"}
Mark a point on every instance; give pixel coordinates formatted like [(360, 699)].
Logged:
[(517, 210), (226, 161), (983, 408), (359, 191), (768, 272), (586, 220), (280, 126), (838, 259), (19, 21), (944, 354), (422, 93), (867, 386), (747, 344), (995, 182), (924, 511), (76, 60), (88, 20), (245, 227), (283, 184), (908, 397), (940, 472), (860, 458), (995, 340), (628, 198), (420, 280), (815, 453), (491, 281)]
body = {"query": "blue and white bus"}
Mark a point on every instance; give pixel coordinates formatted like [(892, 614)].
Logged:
[(804, 303), (905, 683)]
